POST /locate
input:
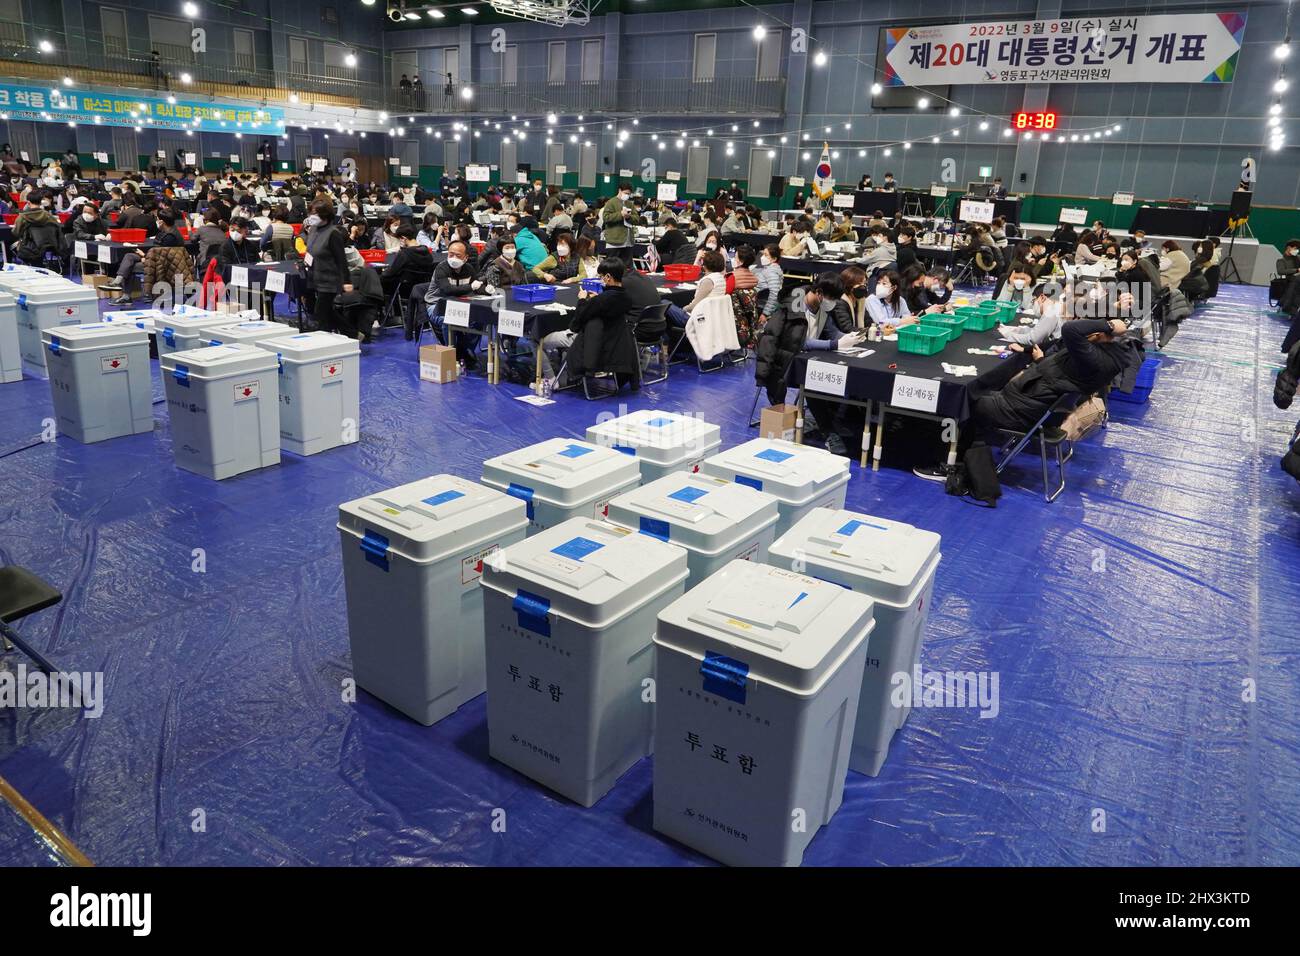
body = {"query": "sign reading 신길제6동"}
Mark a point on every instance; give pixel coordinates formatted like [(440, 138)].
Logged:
[(1186, 48)]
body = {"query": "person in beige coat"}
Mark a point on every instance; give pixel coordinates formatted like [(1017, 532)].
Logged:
[(1174, 264)]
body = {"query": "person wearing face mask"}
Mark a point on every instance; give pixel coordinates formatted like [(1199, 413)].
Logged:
[(238, 249), (888, 185), (453, 278), (1019, 286), (1174, 264), (614, 228), (327, 269), (87, 225), (532, 251), (713, 243), (853, 304), (386, 236), (712, 283), (559, 266), (505, 269), (767, 290), (916, 290), (672, 241), (1047, 303), (37, 231), (431, 232), (409, 266), (886, 306), (905, 248)]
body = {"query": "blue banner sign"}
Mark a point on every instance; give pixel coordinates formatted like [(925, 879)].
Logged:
[(69, 105)]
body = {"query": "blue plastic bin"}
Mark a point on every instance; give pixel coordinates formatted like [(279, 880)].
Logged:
[(592, 285), (535, 293), (1146, 380)]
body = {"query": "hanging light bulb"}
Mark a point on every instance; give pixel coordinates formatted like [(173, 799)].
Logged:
[(876, 89)]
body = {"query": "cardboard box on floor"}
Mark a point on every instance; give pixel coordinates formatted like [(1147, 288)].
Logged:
[(777, 421), (438, 363), (96, 282)]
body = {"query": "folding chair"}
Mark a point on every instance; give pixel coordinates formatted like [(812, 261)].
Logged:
[(650, 332), (23, 593), (1063, 447)]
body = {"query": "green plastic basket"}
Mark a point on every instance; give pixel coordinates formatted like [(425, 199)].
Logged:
[(922, 339), (1006, 310), (954, 325), (982, 319)]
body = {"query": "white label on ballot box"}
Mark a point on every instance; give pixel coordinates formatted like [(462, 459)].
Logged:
[(239, 276), (246, 390), (274, 280), (921, 394), (456, 313), (112, 363), (829, 378), (79, 250), (510, 322), (105, 253)]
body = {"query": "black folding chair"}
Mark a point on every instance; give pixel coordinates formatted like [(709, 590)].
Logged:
[(1061, 446), (650, 330), (23, 593)]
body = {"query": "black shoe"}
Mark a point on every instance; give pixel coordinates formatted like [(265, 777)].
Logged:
[(410, 336), (931, 472), (835, 445)]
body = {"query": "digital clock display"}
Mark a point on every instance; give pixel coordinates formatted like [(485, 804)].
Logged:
[(1034, 120)]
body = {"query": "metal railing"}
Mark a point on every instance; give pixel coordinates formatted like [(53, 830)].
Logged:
[(746, 97)]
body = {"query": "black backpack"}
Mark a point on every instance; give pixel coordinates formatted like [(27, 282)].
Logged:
[(976, 477)]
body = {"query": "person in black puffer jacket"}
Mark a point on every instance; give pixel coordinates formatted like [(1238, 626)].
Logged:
[(1284, 390), (782, 339)]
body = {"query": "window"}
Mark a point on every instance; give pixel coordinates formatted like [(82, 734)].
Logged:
[(245, 59), (336, 63), (591, 61), (706, 51), (171, 38), (510, 65), (12, 32), (451, 63), (555, 61), (405, 63), (329, 15), (769, 56), (298, 56), (113, 24)]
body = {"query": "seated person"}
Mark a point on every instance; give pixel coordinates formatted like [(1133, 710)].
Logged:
[(794, 244), (712, 283), (830, 327), (843, 230), (916, 290), (1018, 391), (886, 306), (558, 266), (853, 303), (505, 270), (413, 263), (712, 243), (366, 297), (770, 278), (603, 319), (1047, 302), (1174, 264), (905, 248), (1019, 287), (453, 278)]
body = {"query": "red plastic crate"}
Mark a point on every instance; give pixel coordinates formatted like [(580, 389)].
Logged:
[(681, 272), (297, 227), (373, 255), (127, 235), (11, 217)]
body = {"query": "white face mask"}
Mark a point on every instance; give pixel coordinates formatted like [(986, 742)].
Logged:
[(561, 250), (88, 216), (1018, 283), (509, 253), (455, 262), (235, 235), (882, 290), (766, 260)]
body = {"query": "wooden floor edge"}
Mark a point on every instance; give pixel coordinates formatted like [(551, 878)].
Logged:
[(56, 839)]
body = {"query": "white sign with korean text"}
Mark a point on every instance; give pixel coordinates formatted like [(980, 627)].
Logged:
[(1122, 199), (842, 201), (973, 210), (105, 253), (667, 192), (477, 173), (561, 170), (239, 276), (938, 192), (510, 322), (919, 394), (796, 181), (404, 170), (673, 176), (456, 313), (1169, 48), (274, 280), (1074, 217), (829, 378)]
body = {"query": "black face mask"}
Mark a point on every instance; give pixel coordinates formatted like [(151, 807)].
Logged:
[(859, 292)]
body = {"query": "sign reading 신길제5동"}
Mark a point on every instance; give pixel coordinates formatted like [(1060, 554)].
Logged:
[(1183, 48)]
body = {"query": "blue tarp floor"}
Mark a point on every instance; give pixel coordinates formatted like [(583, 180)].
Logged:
[(1149, 712)]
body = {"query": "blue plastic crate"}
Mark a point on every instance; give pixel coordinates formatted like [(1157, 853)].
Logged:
[(592, 285), (534, 293), (1146, 380)]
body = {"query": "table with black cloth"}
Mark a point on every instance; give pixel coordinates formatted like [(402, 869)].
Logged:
[(870, 383), (755, 240), (116, 251), (540, 322), (1170, 221), (807, 269), (866, 202), (295, 283)]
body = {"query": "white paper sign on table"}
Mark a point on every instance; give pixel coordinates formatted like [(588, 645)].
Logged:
[(234, 157), (456, 313), (79, 250), (919, 394), (105, 254), (667, 192), (404, 171), (510, 322), (842, 201), (190, 159), (274, 280), (829, 378), (239, 276)]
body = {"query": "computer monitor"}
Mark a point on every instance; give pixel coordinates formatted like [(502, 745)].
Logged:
[(978, 189)]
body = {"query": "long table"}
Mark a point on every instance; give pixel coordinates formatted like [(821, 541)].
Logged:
[(884, 379), (539, 322), (1173, 221)]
